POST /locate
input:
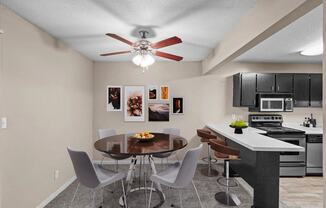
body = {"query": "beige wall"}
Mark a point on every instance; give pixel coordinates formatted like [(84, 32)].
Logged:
[(47, 96), (324, 95), (207, 98)]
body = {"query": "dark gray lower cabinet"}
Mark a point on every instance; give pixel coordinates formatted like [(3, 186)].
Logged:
[(316, 90), (301, 90)]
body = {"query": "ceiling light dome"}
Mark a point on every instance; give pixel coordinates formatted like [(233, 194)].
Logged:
[(143, 60), (314, 49)]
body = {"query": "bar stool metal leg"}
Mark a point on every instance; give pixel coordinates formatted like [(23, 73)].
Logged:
[(226, 197), (209, 171)]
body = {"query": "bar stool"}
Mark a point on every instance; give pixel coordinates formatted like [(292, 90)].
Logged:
[(206, 136), (223, 152)]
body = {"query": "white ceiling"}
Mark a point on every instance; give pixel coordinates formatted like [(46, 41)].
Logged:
[(201, 24), (285, 46)]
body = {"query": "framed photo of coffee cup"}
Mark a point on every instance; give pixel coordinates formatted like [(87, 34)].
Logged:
[(177, 105), (114, 98), (134, 103), (152, 92), (164, 92)]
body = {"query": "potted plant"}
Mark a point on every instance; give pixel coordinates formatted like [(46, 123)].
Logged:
[(238, 125)]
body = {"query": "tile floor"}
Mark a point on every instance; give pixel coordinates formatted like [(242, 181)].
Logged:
[(207, 187)]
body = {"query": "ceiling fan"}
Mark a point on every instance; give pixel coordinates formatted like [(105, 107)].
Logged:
[(145, 49)]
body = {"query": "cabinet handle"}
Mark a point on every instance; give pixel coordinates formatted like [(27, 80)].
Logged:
[(272, 88), (254, 102), (278, 88)]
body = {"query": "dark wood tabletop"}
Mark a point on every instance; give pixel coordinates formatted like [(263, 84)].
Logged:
[(126, 144)]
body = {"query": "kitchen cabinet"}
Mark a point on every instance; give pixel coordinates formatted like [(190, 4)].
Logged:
[(284, 83), (244, 90), (248, 89), (316, 90), (265, 82), (301, 90)]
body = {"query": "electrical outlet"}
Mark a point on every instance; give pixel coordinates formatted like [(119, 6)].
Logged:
[(3, 123), (56, 174)]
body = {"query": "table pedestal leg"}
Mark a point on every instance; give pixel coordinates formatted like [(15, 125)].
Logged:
[(130, 177)]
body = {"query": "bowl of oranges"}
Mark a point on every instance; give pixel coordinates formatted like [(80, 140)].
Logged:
[(145, 136)]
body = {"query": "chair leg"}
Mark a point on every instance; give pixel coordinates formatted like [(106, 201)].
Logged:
[(150, 196), (124, 194), (93, 199), (73, 198), (193, 184)]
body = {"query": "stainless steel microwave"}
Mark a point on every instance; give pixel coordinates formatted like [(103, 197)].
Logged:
[(267, 104)]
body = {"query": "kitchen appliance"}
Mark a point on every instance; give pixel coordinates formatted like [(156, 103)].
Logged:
[(314, 154), (291, 163), (275, 102)]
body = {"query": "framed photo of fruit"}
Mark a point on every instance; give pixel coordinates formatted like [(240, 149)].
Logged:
[(164, 92), (134, 103), (113, 98), (158, 112), (152, 92)]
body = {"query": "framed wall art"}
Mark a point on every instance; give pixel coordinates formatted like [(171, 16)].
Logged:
[(113, 98), (158, 112), (164, 92), (177, 105), (152, 92), (134, 103)]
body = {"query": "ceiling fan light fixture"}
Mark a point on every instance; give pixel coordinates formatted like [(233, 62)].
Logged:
[(143, 60)]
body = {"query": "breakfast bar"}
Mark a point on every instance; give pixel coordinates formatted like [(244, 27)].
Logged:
[(260, 161)]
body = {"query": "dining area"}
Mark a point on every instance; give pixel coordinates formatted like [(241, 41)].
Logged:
[(152, 172)]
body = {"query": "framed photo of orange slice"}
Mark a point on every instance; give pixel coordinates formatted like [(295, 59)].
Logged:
[(164, 92)]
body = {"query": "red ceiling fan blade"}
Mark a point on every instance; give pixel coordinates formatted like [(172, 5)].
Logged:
[(115, 53), (117, 37), (168, 56), (167, 42)]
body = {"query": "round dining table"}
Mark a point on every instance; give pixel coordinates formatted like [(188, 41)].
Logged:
[(138, 150)]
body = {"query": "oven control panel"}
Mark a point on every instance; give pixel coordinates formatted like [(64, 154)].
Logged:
[(265, 118)]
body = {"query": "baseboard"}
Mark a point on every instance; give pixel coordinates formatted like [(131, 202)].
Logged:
[(56, 193)]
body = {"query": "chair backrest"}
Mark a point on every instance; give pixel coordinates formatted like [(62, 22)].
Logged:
[(188, 167), (102, 133), (221, 148), (84, 168), (205, 134), (173, 131)]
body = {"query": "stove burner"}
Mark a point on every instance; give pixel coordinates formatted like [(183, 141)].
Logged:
[(279, 129)]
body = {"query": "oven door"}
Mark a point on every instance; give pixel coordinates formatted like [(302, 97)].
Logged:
[(294, 156), (271, 104)]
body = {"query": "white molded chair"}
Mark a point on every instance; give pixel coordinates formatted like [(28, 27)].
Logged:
[(103, 133), (179, 175), (92, 175)]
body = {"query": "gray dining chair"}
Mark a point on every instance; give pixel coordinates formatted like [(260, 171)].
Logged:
[(173, 131), (92, 175), (179, 175), (103, 133)]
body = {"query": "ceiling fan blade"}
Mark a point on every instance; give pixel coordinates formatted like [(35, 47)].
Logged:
[(167, 42), (115, 53), (168, 56), (117, 37)]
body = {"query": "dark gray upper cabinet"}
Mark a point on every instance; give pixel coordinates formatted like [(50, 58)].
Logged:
[(316, 90), (301, 90), (284, 83), (248, 89), (265, 82)]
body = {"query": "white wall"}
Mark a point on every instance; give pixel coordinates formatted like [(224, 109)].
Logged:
[(46, 93), (207, 98)]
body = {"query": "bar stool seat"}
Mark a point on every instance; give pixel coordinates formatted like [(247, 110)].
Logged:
[(205, 137), (227, 154)]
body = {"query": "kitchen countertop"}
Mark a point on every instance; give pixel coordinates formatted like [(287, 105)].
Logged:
[(253, 140), (308, 130)]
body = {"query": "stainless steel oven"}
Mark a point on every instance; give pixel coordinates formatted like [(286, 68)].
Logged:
[(271, 104), (292, 163)]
